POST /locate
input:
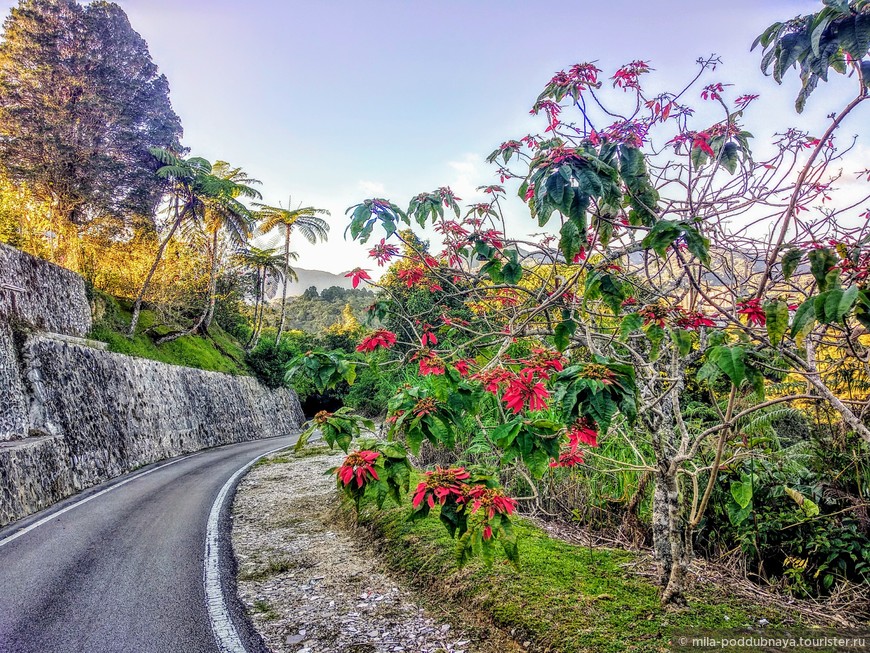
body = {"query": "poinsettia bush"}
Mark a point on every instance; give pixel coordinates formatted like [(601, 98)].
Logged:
[(380, 469), (670, 261)]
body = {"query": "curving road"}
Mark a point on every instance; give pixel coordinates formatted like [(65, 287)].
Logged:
[(122, 568)]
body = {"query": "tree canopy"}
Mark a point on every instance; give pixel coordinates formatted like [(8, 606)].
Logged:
[(81, 103)]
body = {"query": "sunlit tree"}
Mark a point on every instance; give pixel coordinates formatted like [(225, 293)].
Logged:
[(305, 220)]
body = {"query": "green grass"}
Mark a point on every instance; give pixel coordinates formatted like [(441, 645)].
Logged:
[(563, 597), (265, 609), (218, 352), (271, 567)]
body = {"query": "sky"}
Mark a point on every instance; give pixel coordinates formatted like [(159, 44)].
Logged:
[(334, 101)]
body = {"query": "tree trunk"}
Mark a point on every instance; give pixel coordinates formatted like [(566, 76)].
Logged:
[(212, 284), (671, 538), (137, 305), (252, 341), (259, 331), (284, 285)]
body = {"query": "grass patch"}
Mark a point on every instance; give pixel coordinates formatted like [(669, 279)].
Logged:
[(564, 597), (263, 608), (272, 567), (218, 353)]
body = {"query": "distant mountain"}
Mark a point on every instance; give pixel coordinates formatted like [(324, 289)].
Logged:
[(307, 278)]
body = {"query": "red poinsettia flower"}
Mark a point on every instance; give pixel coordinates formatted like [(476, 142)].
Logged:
[(568, 459), (701, 140), (493, 379), (429, 337), (440, 485), (411, 276), (357, 275), (525, 388), (542, 361), (753, 311), (693, 320), (582, 431), (380, 338), (462, 366), (491, 500), (382, 252), (431, 364), (360, 466), (653, 314)]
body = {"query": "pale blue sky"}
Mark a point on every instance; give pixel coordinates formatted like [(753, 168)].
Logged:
[(333, 101)]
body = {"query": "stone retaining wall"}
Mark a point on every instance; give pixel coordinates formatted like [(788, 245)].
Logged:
[(73, 416)]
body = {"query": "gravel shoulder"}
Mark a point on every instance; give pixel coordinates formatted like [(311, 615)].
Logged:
[(310, 586)]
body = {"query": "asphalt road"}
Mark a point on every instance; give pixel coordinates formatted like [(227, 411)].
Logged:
[(124, 571)]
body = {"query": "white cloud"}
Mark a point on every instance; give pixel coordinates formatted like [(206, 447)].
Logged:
[(374, 188)]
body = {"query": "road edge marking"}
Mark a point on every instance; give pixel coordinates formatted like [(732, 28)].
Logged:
[(48, 518), (222, 626)]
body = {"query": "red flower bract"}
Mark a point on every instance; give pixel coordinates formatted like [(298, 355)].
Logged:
[(360, 466), (411, 276), (380, 338), (568, 459), (493, 501), (753, 311), (382, 252), (357, 275), (582, 431), (525, 388), (431, 364), (493, 379), (440, 485)]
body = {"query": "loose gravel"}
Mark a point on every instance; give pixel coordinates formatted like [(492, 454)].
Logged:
[(309, 586)]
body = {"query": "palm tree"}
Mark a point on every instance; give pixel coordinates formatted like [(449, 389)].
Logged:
[(193, 187), (265, 262), (234, 219), (309, 225)]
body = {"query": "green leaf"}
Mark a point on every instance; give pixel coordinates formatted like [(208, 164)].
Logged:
[(741, 492), (630, 323), (709, 372), (823, 262), (612, 292), (683, 340), (805, 314), (728, 158), (563, 332), (512, 272), (862, 308), (777, 320), (834, 305), (569, 243), (697, 157), (665, 232), (696, 243), (809, 508), (790, 261), (731, 360), (844, 306), (661, 236), (738, 515)]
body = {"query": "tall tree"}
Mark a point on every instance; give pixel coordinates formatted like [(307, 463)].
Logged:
[(233, 219), (309, 225), (81, 103), (265, 263), (195, 190)]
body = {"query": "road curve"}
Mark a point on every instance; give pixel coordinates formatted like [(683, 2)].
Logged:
[(123, 571)]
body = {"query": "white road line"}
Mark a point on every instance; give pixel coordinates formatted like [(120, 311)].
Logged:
[(225, 633), (45, 520)]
